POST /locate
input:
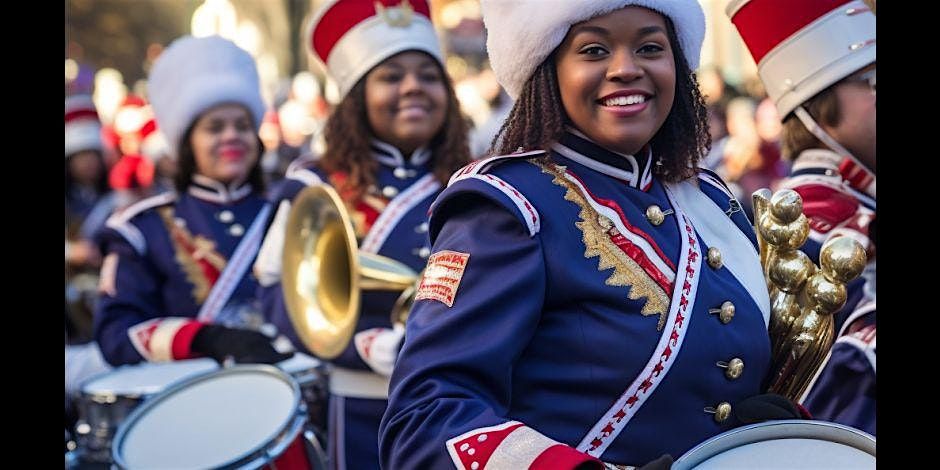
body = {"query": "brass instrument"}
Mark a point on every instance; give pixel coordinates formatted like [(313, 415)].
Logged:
[(324, 273), (803, 297)]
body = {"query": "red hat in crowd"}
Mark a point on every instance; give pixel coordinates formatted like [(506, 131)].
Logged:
[(82, 126)]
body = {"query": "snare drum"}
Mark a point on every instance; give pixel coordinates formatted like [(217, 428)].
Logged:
[(311, 375), (107, 399), (786, 444), (245, 416)]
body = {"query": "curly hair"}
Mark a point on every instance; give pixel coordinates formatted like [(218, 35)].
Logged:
[(348, 134), (538, 118)]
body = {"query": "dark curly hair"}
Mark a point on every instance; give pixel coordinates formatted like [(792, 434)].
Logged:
[(538, 118), (347, 134)]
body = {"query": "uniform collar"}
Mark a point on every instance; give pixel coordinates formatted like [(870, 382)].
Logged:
[(389, 155), (634, 170), (208, 189)]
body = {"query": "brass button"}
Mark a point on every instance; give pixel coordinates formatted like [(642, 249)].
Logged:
[(725, 313), (714, 258), (423, 252), (226, 217), (721, 412), (236, 230), (655, 215), (389, 191), (400, 173), (423, 228), (733, 368)]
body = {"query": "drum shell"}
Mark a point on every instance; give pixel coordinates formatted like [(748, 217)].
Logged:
[(289, 436)]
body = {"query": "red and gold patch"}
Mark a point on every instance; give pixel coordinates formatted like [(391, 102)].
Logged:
[(442, 276)]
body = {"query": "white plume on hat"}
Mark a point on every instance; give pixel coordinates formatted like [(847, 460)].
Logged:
[(195, 74), (82, 128), (522, 33)]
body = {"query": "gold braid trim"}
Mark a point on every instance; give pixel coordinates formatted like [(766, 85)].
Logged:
[(597, 230), (187, 258)]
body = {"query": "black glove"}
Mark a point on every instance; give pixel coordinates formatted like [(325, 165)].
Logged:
[(244, 346), (664, 462), (767, 407)]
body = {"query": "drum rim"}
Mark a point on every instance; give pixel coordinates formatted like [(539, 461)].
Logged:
[(785, 429), (314, 364), (271, 447), (111, 396)]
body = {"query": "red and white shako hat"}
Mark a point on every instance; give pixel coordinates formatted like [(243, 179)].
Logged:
[(350, 37), (82, 125), (802, 47)]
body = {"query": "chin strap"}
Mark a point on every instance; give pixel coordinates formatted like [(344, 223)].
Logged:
[(820, 134)]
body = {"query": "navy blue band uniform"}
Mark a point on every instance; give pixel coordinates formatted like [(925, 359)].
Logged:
[(573, 310), (843, 390), (390, 220), (164, 254), (838, 200)]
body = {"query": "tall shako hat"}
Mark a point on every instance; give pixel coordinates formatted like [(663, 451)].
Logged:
[(350, 37)]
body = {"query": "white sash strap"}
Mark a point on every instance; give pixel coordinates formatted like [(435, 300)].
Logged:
[(235, 268)]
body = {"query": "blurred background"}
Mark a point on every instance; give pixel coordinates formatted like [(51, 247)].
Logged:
[(110, 45)]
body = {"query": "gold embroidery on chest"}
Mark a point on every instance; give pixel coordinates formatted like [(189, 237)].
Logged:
[(597, 230), (189, 251)]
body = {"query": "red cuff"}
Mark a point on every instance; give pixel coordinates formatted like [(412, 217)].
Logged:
[(562, 457), (183, 340)]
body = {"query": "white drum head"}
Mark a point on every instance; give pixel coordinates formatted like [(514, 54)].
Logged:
[(147, 378), (787, 444), (210, 421), (299, 363)]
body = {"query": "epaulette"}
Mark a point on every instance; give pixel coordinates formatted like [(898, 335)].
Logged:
[(120, 221)]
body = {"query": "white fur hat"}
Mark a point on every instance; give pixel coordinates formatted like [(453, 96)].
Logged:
[(82, 127), (350, 37), (522, 33), (804, 46), (195, 74)]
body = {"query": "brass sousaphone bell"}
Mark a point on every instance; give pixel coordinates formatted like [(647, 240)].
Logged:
[(324, 273)]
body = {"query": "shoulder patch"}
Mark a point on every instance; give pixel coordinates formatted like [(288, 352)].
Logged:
[(442, 277)]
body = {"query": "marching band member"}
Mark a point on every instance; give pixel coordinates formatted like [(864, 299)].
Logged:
[(173, 283), (590, 295), (817, 61), (391, 143)]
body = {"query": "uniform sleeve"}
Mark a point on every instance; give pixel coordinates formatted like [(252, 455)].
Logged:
[(845, 390), (452, 384), (130, 323)]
